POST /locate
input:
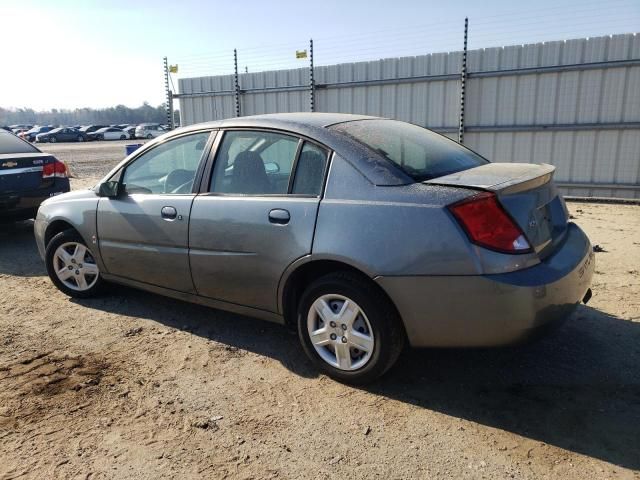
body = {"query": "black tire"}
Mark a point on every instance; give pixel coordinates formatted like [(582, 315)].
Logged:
[(53, 139), (58, 240), (149, 136), (123, 137), (386, 325), (80, 138)]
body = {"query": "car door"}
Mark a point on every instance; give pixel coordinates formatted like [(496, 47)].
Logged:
[(143, 232), (256, 216), (64, 135)]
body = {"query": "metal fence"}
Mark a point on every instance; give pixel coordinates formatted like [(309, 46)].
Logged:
[(574, 103)]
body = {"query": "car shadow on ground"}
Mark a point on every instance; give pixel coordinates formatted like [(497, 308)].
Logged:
[(577, 388), (18, 251)]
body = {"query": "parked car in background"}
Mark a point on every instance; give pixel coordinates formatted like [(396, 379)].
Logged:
[(362, 233), (31, 135), (19, 132), (107, 133), (27, 177), (149, 130), (130, 132), (20, 128), (91, 128), (61, 134)]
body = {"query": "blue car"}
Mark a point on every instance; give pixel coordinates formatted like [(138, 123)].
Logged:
[(27, 177)]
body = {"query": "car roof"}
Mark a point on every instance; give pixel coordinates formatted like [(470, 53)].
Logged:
[(314, 125), (287, 120)]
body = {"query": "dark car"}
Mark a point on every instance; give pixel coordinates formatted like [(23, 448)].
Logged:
[(35, 131), (62, 134), (27, 177)]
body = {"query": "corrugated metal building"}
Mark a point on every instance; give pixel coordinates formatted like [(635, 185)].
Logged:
[(575, 103)]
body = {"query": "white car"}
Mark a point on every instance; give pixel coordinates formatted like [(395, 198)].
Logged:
[(150, 130), (108, 133)]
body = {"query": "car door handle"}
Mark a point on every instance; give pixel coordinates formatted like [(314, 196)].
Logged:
[(169, 213), (279, 216)]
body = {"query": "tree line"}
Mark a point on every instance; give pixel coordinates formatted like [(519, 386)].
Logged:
[(84, 116)]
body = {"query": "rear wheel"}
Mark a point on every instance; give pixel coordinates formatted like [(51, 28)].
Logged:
[(80, 138), (149, 136), (72, 266), (123, 137), (348, 329)]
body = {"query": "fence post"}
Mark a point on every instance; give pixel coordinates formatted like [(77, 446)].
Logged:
[(236, 85), (463, 80), (169, 95), (312, 84)]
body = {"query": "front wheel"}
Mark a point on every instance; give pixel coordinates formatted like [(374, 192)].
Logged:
[(149, 136), (53, 140), (72, 266), (348, 329), (80, 138), (122, 137)]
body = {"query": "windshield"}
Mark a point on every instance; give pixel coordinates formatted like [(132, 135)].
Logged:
[(420, 153)]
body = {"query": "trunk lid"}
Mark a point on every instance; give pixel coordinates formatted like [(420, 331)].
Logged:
[(20, 172), (527, 192)]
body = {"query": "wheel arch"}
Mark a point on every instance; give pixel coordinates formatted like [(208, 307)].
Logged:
[(306, 270), (55, 228)]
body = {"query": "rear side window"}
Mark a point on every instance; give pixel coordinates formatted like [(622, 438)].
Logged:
[(420, 153), (310, 170), (9, 143)]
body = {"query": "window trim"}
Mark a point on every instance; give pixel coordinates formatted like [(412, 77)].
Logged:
[(207, 177), (213, 134)]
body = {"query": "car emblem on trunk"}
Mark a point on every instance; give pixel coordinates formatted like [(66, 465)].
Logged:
[(533, 223), (10, 164)]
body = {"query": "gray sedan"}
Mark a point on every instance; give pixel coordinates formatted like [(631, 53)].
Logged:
[(364, 234)]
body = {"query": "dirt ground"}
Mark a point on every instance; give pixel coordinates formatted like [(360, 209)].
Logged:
[(133, 385)]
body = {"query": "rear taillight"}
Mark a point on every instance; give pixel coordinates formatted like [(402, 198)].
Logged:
[(488, 225), (54, 169)]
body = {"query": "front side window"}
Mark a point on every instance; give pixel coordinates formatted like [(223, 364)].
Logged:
[(169, 168), (420, 153), (254, 163)]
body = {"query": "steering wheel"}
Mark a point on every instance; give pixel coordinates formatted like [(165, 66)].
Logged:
[(177, 180)]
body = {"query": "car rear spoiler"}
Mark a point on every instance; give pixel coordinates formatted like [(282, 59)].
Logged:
[(501, 178)]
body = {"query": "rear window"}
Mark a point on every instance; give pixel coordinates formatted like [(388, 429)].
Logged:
[(420, 153), (11, 144)]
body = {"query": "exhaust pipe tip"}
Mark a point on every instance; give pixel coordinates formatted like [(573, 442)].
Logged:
[(587, 296)]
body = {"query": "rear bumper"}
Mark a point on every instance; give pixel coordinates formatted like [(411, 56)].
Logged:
[(493, 310), (23, 205)]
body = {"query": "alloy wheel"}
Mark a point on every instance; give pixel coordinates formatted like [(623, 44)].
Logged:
[(75, 266), (340, 332)]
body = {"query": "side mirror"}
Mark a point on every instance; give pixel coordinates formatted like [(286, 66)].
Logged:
[(110, 189)]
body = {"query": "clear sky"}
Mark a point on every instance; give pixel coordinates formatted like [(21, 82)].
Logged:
[(67, 54)]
